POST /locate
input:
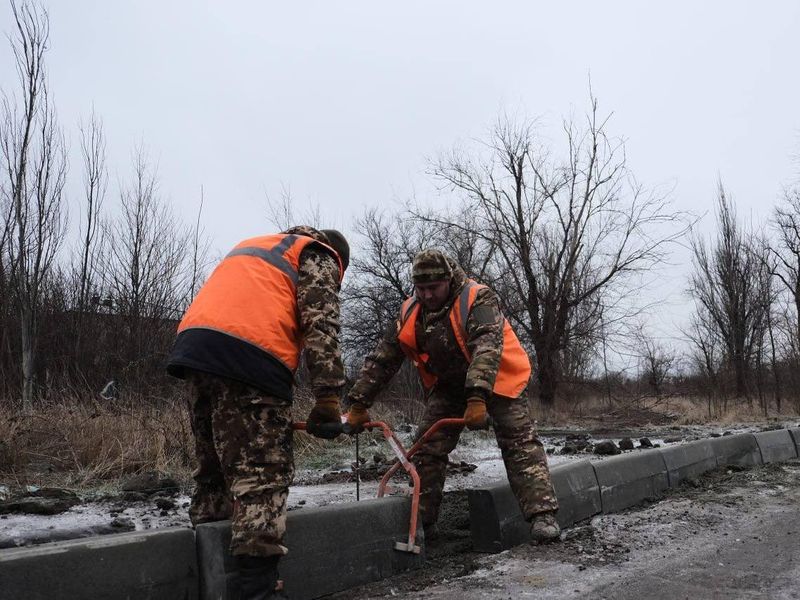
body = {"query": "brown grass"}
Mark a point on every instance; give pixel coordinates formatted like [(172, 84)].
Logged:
[(675, 410), (81, 444)]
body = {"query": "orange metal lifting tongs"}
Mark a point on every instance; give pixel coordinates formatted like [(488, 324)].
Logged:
[(404, 460)]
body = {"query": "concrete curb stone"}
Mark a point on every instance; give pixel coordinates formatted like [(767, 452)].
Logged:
[(157, 565), (688, 461), (630, 479), (496, 521), (331, 549), (795, 432), (776, 446), (740, 450)]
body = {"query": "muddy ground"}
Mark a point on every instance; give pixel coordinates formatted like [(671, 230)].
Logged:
[(320, 480), (731, 534)]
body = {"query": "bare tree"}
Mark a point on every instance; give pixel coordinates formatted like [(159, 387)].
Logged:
[(730, 284), (86, 261), (93, 153), (656, 362), (705, 357), (566, 233), (148, 265), (379, 278), (6, 305), (281, 212), (200, 249), (786, 250), (34, 161)]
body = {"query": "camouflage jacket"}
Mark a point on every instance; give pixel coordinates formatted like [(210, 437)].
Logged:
[(318, 309), (436, 338)]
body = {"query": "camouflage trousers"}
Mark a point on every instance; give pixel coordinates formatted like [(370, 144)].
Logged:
[(523, 454), (243, 444)]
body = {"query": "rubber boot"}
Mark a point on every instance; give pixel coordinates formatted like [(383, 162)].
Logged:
[(258, 577), (544, 528)]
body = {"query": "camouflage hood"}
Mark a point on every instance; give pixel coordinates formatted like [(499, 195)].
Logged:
[(308, 232)]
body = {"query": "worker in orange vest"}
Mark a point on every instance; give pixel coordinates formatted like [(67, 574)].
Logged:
[(239, 346), (470, 362)]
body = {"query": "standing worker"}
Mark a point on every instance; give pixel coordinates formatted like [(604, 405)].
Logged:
[(470, 361), (239, 346)]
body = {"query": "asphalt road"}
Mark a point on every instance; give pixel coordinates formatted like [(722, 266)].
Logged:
[(733, 535), (762, 560)]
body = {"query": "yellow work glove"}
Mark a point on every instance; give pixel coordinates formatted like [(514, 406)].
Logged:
[(475, 416), (325, 420), (356, 417)]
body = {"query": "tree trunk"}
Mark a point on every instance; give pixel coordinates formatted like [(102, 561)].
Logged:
[(28, 336), (548, 378)]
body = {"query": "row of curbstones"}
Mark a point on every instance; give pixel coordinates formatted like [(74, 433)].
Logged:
[(585, 488), (331, 549), (341, 546)]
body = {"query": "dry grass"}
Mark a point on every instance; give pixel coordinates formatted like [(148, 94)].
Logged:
[(675, 410), (81, 444), (691, 411)]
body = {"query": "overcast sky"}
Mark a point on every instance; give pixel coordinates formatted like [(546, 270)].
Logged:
[(342, 102)]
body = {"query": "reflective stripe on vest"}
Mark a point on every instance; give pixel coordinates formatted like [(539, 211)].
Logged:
[(273, 256), (252, 296), (514, 372)]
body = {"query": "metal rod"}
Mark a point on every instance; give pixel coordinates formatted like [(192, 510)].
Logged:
[(358, 471)]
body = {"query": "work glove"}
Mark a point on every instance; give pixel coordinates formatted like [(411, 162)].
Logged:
[(475, 416), (356, 417), (325, 421)]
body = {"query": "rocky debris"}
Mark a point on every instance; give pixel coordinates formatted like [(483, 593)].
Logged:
[(773, 427), (134, 497), (149, 483), (606, 448), (44, 501), (362, 470), (577, 442), (626, 443), (375, 470), (164, 503), (724, 433), (579, 439), (460, 468), (47, 492), (673, 439), (645, 443), (123, 524), (715, 435), (38, 506)]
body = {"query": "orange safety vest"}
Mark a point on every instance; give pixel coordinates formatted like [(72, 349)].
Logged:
[(252, 295), (515, 367)]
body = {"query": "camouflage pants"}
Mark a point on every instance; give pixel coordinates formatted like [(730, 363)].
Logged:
[(243, 444), (524, 457)]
